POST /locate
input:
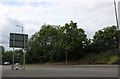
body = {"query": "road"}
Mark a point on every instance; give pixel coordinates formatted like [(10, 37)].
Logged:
[(63, 71)]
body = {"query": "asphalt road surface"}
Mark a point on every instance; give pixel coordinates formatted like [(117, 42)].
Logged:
[(63, 71)]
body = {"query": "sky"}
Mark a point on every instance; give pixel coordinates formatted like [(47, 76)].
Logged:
[(90, 15)]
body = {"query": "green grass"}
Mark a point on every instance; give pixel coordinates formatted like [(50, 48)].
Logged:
[(107, 57)]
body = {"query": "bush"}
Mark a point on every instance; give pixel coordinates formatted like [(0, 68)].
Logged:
[(113, 60)]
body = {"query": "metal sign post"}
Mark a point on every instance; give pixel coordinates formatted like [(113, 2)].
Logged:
[(24, 53), (13, 52), (18, 41)]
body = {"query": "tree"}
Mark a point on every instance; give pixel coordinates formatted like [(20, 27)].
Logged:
[(18, 56), (42, 43), (71, 42), (75, 40), (106, 39), (51, 43), (8, 56)]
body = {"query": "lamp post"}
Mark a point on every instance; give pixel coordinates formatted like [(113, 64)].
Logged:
[(23, 48), (20, 27), (66, 56)]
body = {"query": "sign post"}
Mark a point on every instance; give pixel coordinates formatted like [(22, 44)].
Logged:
[(13, 52), (18, 41)]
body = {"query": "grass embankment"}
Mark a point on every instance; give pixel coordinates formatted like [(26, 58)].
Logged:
[(100, 58), (103, 58)]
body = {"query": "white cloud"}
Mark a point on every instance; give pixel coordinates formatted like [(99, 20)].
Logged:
[(65, 1), (90, 15)]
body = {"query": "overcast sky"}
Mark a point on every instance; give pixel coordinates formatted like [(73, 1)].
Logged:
[(91, 15)]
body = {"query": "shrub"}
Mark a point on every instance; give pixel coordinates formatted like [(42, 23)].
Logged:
[(113, 60)]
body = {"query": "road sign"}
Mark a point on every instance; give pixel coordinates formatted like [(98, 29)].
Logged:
[(18, 40)]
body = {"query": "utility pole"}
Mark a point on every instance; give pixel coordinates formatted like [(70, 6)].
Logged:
[(116, 15), (117, 21)]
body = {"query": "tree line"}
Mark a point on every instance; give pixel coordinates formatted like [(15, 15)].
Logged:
[(53, 43)]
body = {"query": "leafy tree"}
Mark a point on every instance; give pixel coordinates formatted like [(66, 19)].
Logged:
[(42, 43), (106, 39), (73, 40), (52, 43), (7, 56), (18, 54)]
